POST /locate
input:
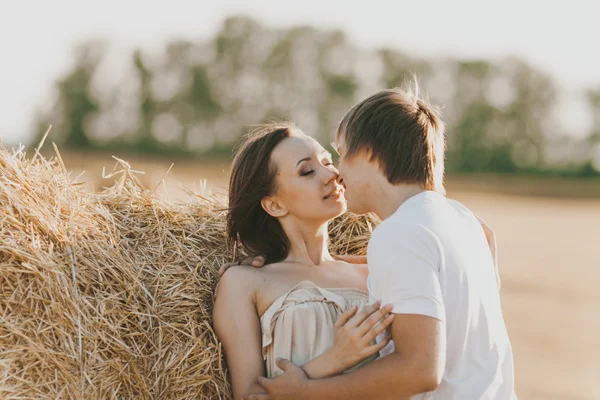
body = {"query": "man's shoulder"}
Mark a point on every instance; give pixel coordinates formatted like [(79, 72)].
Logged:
[(396, 235), (437, 209), (457, 205), (390, 228)]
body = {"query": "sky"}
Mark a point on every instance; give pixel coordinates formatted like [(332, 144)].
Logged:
[(560, 38)]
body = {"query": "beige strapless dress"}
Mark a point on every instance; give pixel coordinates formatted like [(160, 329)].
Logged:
[(299, 325)]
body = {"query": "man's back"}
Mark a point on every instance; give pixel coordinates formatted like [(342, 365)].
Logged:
[(452, 280)]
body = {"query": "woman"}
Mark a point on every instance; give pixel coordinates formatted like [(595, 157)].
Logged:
[(304, 305)]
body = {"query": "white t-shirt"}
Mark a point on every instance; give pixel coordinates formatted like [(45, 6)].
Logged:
[(431, 258)]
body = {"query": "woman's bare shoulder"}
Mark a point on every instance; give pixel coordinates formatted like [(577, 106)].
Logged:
[(243, 277), (238, 281)]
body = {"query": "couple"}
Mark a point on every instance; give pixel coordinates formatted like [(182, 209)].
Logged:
[(422, 320)]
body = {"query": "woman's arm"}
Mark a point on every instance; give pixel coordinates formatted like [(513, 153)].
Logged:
[(238, 328), (353, 343)]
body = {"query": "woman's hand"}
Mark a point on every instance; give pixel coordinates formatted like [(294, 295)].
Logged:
[(355, 333), (353, 343)]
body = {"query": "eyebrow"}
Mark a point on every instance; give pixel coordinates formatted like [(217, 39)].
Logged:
[(308, 158)]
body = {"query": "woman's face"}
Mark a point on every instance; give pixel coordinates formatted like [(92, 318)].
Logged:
[(306, 181)]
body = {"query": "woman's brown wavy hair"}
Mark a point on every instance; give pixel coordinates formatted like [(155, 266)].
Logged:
[(253, 178)]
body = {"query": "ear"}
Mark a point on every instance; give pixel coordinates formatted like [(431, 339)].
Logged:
[(273, 207), (367, 154)]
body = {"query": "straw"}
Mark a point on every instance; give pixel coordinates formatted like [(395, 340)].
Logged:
[(109, 295)]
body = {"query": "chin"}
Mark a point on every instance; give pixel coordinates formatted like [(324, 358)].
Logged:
[(337, 211), (343, 209)]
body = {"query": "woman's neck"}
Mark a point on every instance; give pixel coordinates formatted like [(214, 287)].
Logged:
[(308, 244)]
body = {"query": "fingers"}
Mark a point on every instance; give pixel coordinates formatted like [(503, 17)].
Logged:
[(284, 365), (379, 346), (225, 267), (256, 396), (246, 261), (262, 381), (362, 315), (379, 328), (490, 236), (258, 261), (374, 318), (343, 319)]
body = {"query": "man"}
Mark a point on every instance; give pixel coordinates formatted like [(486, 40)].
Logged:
[(428, 258)]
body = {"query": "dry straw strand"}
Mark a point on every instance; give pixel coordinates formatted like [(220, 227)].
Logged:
[(109, 295)]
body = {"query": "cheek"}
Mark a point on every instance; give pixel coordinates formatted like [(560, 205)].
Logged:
[(341, 168), (302, 192), (350, 176)]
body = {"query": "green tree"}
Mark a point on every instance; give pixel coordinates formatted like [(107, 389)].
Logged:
[(75, 100), (593, 98), (202, 95), (148, 107)]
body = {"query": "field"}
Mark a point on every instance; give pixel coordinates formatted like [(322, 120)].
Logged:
[(548, 241)]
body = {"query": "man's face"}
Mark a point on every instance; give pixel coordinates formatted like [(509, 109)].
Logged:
[(356, 175)]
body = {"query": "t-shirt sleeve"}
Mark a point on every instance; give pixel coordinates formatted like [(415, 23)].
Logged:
[(404, 269)]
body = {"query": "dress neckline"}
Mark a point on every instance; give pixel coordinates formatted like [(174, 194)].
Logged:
[(300, 284), (345, 289)]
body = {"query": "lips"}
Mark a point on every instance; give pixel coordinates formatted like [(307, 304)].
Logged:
[(336, 193)]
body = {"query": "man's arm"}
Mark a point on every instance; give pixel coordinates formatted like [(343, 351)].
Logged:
[(404, 268), (416, 365), (405, 261)]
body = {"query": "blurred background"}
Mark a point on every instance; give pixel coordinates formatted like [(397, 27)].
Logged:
[(176, 83)]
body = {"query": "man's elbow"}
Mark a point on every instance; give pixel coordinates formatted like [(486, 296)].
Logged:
[(431, 382), (429, 377)]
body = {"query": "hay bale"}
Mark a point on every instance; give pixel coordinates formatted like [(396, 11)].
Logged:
[(109, 294)]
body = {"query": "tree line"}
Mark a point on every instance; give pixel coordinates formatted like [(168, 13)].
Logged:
[(198, 97)]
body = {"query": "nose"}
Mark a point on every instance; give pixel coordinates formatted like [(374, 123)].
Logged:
[(330, 175)]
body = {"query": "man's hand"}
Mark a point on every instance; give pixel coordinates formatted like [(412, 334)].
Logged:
[(490, 236), (259, 261), (290, 385), (256, 262)]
